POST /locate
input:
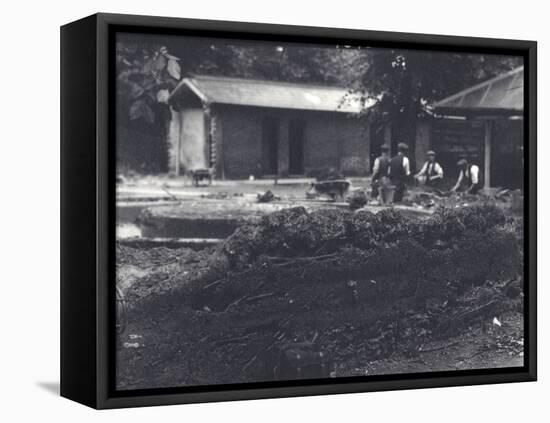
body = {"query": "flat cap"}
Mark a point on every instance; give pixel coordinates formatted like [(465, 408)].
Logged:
[(462, 162), (402, 146), (430, 153)]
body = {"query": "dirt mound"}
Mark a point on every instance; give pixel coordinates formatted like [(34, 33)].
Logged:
[(350, 286), (295, 232), (442, 255)]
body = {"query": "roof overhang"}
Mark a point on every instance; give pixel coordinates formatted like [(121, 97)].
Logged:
[(270, 94), (499, 97), (477, 113)]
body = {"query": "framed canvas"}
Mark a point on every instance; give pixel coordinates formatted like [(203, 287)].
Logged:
[(256, 211)]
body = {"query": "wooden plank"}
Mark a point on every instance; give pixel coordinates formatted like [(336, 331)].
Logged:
[(178, 149)]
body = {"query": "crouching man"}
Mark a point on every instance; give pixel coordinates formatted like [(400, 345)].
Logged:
[(431, 173), (468, 179)]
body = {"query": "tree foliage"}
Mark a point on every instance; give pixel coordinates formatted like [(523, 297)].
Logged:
[(148, 68), (144, 75), (405, 81), (402, 82)]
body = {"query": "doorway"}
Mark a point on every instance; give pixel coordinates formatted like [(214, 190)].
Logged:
[(270, 136), (193, 140), (296, 147)]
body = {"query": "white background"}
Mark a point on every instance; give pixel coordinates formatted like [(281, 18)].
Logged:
[(29, 234)]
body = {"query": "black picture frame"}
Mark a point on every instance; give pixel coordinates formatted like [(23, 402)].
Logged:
[(88, 210)]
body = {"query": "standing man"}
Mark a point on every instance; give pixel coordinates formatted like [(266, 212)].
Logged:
[(400, 171), (380, 171), (431, 173), (468, 178)]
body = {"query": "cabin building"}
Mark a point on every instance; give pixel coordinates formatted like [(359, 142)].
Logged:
[(241, 127)]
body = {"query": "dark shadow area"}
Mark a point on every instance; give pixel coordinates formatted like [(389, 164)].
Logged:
[(51, 387)]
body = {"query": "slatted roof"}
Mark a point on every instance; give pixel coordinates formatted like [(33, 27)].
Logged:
[(500, 95), (274, 94)]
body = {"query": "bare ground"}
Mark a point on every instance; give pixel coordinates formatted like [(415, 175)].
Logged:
[(216, 316)]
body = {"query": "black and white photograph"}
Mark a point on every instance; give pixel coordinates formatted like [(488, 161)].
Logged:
[(291, 211)]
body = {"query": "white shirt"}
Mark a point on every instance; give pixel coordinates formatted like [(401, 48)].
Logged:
[(474, 174), (406, 166), (436, 167)]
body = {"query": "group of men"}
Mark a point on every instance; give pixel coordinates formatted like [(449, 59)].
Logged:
[(391, 174)]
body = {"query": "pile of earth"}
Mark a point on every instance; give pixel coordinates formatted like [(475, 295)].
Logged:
[(351, 286)]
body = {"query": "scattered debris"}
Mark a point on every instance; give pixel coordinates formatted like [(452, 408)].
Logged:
[(357, 199), (266, 197), (222, 195), (333, 189), (131, 345), (170, 195)]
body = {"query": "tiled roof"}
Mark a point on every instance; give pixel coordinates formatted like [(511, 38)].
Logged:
[(503, 93), (260, 93)]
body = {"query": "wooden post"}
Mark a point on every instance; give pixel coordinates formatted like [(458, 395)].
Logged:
[(216, 141), (488, 145), (217, 135), (178, 146), (422, 142), (209, 150)]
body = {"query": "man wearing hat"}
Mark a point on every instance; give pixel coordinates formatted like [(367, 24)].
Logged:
[(468, 178), (431, 173), (400, 171), (380, 171)]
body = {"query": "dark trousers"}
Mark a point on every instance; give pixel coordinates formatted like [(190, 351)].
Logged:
[(435, 183), (374, 191), (381, 190), (400, 189), (475, 188)]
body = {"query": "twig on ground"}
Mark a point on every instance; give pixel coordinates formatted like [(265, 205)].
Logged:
[(249, 363), (475, 311), (454, 344), (311, 258), (236, 302), (258, 297), (232, 340), (171, 195), (216, 282)]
